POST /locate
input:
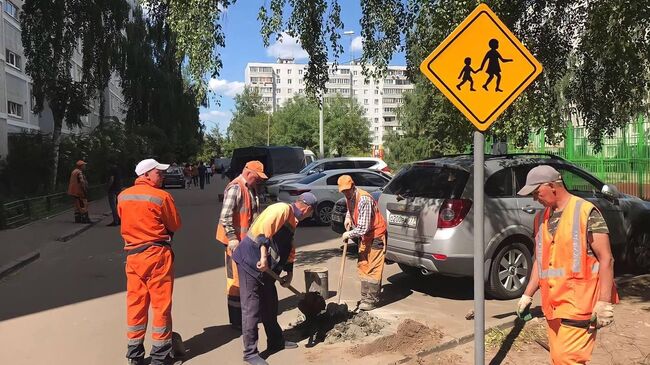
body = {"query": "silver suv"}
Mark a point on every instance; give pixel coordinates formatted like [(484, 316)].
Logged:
[(428, 207)]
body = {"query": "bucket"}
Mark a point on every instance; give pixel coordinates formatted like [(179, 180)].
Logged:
[(316, 281)]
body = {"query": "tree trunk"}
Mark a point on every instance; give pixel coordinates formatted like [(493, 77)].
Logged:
[(56, 141)]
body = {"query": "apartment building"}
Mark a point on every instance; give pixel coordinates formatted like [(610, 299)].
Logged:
[(280, 81), (16, 97)]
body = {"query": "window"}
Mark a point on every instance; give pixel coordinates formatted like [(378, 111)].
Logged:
[(376, 110), (428, 181), (376, 101), (290, 90), (289, 81), (369, 179), (13, 59), (333, 165), (499, 184), (365, 101), (11, 9), (354, 73), (376, 120), (288, 71), (366, 164), (277, 80), (311, 178), (577, 182), (14, 109), (365, 92), (376, 92), (300, 72), (278, 90), (376, 129)]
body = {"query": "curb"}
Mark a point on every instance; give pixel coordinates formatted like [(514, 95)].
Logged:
[(463, 339), (84, 228), (19, 263)]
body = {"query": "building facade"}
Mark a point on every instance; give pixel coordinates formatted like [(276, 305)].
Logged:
[(16, 97), (279, 82)]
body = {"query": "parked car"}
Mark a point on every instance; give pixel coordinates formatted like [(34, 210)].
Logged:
[(271, 187), (324, 186), (309, 157), (173, 177), (340, 209), (430, 219), (276, 159)]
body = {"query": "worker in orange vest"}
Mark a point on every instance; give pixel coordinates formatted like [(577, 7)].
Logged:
[(240, 207), (363, 221), (78, 189), (149, 220), (573, 267)]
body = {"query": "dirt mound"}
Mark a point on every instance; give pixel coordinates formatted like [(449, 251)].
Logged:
[(411, 337), (636, 286), (357, 327)]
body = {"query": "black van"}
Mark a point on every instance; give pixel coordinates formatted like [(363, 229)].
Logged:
[(276, 159)]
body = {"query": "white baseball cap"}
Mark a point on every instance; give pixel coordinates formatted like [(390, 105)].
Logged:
[(148, 165)]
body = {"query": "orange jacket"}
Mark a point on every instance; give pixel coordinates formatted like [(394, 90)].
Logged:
[(148, 214), (242, 218), (378, 224), (568, 274), (78, 185)]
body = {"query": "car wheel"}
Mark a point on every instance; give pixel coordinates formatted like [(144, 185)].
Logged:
[(510, 271), (324, 213), (637, 253), (410, 270)]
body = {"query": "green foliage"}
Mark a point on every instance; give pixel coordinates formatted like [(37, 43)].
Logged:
[(213, 145), (249, 124), (346, 129), (296, 124), (28, 164)]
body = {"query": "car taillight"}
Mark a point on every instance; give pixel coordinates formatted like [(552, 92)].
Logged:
[(297, 192), (452, 212), (386, 169)]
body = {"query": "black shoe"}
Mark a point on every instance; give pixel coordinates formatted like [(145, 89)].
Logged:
[(287, 345), (257, 360), (138, 361), (112, 224)]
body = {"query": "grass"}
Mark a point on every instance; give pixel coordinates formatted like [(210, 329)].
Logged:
[(533, 330)]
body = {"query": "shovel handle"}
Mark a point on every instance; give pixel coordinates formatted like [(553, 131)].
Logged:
[(277, 278), (341, 271)]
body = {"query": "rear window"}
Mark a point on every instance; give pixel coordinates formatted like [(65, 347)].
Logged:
[(366, 164), (174, 171), (427, 181), (310, 179)]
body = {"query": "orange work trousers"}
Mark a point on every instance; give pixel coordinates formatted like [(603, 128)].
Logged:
[(150, 281), (569, 345), (80, 205), (370, 265)]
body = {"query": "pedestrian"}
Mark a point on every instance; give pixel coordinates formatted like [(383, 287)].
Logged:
[(573, 267), (268, 245), (466, 74), (240, 208), (201, 171), (364, 222), (78, 189), (208, 173), (195, 175), (187, 173), (149, 221), (493, 57), (114, 187)]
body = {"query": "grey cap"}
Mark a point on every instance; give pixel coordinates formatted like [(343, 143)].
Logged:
[(309, 199), (537, 176)]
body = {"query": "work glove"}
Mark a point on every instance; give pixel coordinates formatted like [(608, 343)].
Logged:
[(285, 281), (603, 314), (232, 245), (345, 236), (348, 223), (523, 307)]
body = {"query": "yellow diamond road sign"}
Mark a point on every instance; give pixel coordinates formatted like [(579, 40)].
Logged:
[(481, 67)]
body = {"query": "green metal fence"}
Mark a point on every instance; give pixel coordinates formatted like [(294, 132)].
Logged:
[(20, 212), (623, 161)]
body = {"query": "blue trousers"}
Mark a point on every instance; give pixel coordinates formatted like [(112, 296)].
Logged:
[(259, 303)]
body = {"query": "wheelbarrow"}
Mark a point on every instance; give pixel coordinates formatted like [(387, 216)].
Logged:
[(311, 304)]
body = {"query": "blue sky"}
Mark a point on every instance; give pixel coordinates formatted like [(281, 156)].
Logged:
[(244, 44)]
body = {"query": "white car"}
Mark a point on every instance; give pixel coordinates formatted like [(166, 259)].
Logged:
[(324, 186), (272, 186)]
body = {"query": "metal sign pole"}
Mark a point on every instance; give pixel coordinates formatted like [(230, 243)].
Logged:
[(479, 249)]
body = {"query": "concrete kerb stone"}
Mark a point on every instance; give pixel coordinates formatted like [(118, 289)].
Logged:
[(19, 263), (461, 340), (82, 228)]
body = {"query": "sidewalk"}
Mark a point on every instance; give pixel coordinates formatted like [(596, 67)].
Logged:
[(22, 245)]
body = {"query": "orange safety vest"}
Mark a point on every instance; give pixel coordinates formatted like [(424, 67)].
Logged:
[(568, 274), (243, 219), (378, 228), (77, 186)]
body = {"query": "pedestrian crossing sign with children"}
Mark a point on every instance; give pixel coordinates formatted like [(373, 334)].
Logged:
[(481, 67)]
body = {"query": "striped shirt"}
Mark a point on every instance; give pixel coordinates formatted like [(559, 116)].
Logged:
[(364, 219), (232, 200)]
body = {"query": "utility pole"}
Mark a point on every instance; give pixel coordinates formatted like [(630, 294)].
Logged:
[(320, 128), (268, 116), (350, 33)]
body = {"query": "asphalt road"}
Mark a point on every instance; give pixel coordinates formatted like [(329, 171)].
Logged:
[(69, 306)]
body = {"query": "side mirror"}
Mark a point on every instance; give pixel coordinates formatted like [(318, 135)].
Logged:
[(610, 191)]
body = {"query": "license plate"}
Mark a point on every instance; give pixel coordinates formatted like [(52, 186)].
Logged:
[(402, 220), (337, 218)]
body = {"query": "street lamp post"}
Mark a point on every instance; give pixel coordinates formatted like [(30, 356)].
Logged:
[(350, 33), (268, 116)]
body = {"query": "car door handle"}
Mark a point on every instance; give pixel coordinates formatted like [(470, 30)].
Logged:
[(529, 209)]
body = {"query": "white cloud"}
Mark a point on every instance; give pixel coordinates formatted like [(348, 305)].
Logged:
[(357, 44), (225, 87), (218, 117), (287, 47)]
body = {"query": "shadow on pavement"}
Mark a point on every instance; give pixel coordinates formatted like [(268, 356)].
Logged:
[(391, 293), (289, 303), (508, 342), (436, 286), (308, 258), (210, 339)]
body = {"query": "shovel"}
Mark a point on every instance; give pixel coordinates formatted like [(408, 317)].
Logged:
[(341, 272), (311, 303)]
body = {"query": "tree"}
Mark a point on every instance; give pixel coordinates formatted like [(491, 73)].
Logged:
[(50, 34), (346, 129), (212, 145), (296, 124), (249, 124)]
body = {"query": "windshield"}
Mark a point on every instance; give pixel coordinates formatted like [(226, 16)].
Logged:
[(310, 179), (174, 171), (308, 168), (428, 181)]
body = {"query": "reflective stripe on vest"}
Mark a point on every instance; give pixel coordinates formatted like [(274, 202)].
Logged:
[(243, 217), (141, 197)]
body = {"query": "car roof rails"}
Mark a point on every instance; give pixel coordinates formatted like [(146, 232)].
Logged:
[(525, 154)]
